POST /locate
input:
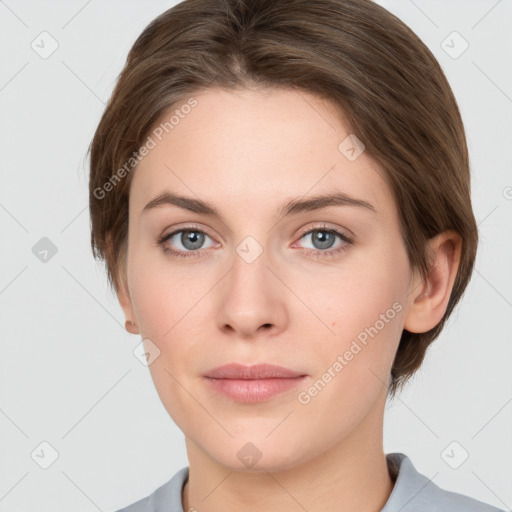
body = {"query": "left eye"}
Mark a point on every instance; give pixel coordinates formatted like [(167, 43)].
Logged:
[(323, 240)]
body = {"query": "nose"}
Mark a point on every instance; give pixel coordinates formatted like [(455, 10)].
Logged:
[(251, 299)]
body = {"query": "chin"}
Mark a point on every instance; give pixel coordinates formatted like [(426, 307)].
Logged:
[(255, 452)]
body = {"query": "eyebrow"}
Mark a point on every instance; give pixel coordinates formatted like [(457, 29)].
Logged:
[(292, 207)]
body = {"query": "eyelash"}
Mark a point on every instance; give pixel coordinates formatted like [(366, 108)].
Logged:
[(311, 252)]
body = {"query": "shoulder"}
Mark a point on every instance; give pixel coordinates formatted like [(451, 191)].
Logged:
[(164, 498), (415, 492)]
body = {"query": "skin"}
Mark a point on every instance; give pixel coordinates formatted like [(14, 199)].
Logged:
[(247, 152)]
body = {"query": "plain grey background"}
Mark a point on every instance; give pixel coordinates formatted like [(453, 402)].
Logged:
[(68, 376)]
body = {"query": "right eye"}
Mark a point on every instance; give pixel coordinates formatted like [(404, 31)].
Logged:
[(190, 238)]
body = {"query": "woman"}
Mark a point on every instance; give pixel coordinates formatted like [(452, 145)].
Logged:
[(281, 194)]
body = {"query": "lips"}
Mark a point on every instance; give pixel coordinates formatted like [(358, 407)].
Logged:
[(251, 384), (257, 371)]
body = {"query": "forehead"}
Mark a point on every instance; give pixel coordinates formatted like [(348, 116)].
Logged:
[(248, 148)]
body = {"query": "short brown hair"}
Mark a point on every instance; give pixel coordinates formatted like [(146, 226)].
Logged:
[(383, 81)]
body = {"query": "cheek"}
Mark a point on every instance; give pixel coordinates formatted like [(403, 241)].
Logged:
[(361, 309), (352, 366), (171, 307), (352, 297), (163, 296)]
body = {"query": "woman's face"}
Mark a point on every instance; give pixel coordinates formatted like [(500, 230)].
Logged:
[(261, 287)]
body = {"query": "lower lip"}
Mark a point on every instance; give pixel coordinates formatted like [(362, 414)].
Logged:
[(257, 390)]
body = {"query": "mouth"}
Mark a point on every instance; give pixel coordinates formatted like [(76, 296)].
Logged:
[(251, 384)]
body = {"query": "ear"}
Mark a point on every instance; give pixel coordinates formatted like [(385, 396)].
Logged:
[(122, 291), (429, 297)]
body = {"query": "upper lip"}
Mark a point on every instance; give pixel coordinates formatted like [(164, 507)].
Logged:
[(257, 371)]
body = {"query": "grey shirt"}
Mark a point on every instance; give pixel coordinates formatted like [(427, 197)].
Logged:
[(412, 492)]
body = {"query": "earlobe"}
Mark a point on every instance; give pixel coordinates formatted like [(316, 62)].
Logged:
[(131, 327), (123, 296), (427, 307), (126, 304)]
